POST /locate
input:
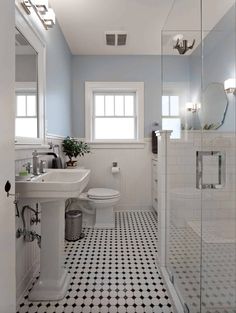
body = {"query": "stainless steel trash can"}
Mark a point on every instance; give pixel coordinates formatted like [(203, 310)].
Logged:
[(73, 225)]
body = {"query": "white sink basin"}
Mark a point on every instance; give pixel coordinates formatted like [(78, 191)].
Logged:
[(51, 190), (55, 184)]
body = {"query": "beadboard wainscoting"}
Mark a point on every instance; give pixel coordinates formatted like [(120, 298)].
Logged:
[(134, 179), (27, 253)]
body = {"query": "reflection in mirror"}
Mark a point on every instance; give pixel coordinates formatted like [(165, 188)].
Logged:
[(214, 108), (26, 88), (178, 113)]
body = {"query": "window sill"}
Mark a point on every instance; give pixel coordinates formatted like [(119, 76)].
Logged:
[(117, 145)]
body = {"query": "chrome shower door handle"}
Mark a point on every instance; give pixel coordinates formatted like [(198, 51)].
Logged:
[(221, 169)]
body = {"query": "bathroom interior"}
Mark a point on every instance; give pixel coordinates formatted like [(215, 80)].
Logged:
[(150, 86)]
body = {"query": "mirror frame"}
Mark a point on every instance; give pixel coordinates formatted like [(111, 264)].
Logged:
[(37, 43), (226, 106)]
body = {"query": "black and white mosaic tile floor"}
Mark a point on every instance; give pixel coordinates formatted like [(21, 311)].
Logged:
[(112, 271), (217, 262)]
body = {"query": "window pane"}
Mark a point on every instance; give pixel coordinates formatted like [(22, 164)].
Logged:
[(99, 105), (26, 127), (165, 105), (119, 105), (174, 105), (109, 105), (31, 105), (172, 124), (129, 105), (20, 105), (114, 128)]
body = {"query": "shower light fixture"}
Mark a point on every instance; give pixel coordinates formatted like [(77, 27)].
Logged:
[(45, 14), (230, 85), (193, 107), (181, 44)]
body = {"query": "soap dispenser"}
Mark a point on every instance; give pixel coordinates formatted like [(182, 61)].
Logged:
[(35, 162)]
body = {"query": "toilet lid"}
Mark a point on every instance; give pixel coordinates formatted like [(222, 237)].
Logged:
[(102, 193)]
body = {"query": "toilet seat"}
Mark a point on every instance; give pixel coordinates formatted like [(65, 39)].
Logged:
[(102, 193)]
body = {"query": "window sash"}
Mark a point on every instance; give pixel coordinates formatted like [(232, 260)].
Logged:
[(104, 116), (134, 137), (26, 116), (115, 117), (135, 89), (169, 106), (170, 116), (26, 104), (115, 93)]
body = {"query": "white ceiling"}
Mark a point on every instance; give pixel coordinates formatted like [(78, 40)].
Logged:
[(84, 22)]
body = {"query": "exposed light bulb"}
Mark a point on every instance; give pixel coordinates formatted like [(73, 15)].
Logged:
[(178, 37), (230, 85)]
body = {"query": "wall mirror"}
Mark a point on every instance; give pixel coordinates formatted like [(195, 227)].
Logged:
[(26, 88), (214, 107), (209, 115), (29, 84)]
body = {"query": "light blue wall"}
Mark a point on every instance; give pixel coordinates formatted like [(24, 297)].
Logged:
[(219, 53), (116, 68), (146, 69), (219, 64), (58, 83), (175, 69)]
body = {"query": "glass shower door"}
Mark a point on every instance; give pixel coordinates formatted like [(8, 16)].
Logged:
[(218, 224), (181, 73), (200, 252)]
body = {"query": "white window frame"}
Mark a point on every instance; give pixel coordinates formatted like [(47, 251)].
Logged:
[(126, 87), (37, 43), (170, 116), (26, 89)]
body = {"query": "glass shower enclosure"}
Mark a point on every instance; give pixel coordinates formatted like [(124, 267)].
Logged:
[(198, 106)]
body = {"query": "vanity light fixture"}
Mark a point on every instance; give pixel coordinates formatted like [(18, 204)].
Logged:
[(230, 85), (41, 5), (193, 107), (41, 8), (49, 18)]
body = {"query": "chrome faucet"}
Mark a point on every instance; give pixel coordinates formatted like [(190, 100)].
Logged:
[(36, 155)]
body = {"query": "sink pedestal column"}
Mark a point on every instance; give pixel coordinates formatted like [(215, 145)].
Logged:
[(53, 280)]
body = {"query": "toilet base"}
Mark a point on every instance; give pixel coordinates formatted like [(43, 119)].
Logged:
[(104, 216), (98, 212)]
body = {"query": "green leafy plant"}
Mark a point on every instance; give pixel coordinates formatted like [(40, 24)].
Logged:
[(73, 148)]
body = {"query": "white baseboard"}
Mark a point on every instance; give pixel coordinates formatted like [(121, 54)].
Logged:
[(127, 208), (26, 281)]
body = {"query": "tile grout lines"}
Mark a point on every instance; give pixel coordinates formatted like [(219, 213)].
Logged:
[(113, 270)]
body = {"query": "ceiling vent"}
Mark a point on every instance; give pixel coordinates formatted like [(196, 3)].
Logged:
[(121, 39), (116, 38), (111, 39)]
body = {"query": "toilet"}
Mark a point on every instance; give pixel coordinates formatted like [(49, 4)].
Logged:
[(97, 205)]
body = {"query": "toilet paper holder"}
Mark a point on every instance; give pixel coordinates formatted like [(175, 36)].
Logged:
[(115, 168)]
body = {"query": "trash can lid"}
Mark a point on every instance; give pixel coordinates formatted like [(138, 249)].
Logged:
[(73, 213)]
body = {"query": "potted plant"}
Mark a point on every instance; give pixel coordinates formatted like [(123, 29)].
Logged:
[(73, 148)]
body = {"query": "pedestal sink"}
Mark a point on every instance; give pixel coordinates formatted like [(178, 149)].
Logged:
[(51, 190)]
